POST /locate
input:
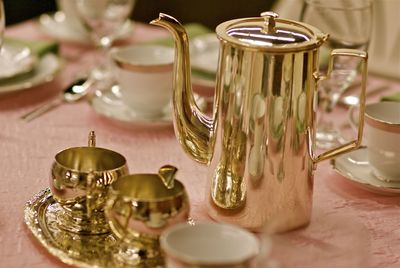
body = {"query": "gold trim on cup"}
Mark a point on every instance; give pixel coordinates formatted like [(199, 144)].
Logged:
[(382, 124), (157, 68)]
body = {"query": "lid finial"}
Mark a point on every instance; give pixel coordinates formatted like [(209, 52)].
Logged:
[(269, 21), (92, 139)]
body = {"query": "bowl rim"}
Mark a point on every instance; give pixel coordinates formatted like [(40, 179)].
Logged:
[(193, 260)]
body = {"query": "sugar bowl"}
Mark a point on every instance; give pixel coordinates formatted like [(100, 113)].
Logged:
[(79, 180), (139, 208)]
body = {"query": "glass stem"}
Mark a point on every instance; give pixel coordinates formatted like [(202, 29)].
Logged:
[(102, 69)]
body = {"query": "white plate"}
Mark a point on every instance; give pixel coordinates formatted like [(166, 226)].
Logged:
[(204, 51), (16, 60), (109, 104), (56, 25), (355, 167), (45, 71)]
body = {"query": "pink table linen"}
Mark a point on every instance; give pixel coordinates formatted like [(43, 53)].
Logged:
[(350, 227)]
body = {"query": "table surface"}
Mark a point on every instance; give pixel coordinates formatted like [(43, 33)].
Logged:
[(350, 226)]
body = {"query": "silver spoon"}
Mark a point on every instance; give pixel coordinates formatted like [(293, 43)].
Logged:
[(74, 92)]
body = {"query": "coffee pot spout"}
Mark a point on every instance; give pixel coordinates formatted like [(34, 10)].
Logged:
[(192, 128)]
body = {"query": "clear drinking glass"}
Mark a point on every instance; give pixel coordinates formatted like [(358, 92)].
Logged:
[(103, 19), (348, 23)]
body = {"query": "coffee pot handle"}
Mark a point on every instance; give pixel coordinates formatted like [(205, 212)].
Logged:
[(354, 144)]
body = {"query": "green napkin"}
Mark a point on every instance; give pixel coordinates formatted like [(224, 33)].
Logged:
[(40, 48), (393, 97), (193, 30)]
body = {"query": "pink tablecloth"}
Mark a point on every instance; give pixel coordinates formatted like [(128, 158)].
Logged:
[(350, 226)]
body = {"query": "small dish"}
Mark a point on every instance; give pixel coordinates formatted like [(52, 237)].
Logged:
[(204, 59), (354, 166), (16, 60), (75, 249), (108, 103), (56, 25), (45, 71)]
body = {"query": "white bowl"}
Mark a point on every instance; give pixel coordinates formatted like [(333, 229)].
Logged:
[(209, 244)]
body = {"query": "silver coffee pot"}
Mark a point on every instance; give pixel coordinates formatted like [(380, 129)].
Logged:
[(259, 141)]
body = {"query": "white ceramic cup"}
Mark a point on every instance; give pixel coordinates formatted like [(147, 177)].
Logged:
[(382, 134), (144, 74), (209, 245)]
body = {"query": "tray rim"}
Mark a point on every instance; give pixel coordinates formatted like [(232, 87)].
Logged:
[(44, 198)]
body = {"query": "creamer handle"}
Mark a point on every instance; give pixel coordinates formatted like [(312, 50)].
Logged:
[(354, 144)]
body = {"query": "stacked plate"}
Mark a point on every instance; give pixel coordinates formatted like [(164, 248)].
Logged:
[(21, 68)]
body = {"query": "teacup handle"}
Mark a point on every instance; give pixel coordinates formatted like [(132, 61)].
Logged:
[(353, 121), (354, 144), (119, 225)]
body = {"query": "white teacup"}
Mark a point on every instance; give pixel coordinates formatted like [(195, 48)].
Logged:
[(144, 74), (209, 245), (382, 134)]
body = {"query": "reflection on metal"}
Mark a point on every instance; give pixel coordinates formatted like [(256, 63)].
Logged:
[(42, 214), (259, 141), (194, 130), (139, 207), (79, 180)]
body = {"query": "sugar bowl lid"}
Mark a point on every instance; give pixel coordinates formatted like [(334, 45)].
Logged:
[(271, 33)]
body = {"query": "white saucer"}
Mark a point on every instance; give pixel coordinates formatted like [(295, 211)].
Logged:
[(56, 25), (45, 71), (109, 104), (204, 51), (16, 60), (355, 167)]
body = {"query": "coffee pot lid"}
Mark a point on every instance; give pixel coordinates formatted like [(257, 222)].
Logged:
[(271, 33)]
